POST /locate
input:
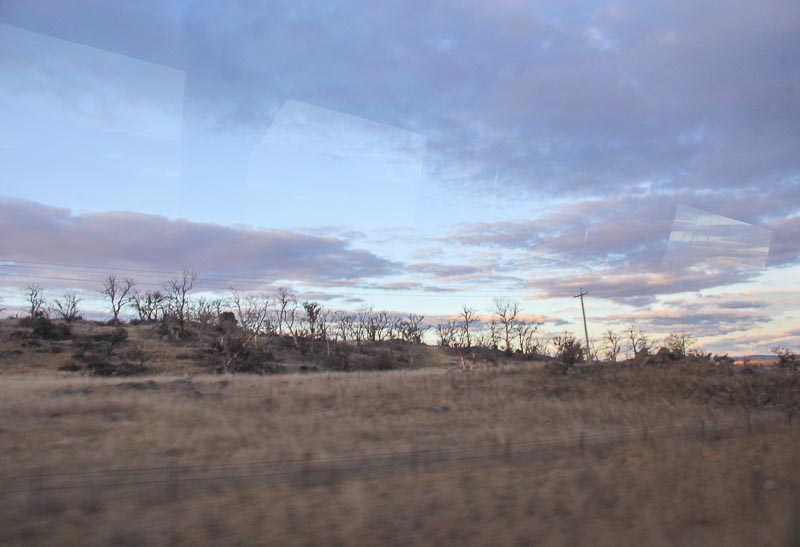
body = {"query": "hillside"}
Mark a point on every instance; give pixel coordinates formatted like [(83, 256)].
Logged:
[(45, 347)]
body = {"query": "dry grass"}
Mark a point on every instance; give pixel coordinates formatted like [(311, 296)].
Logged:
[(67, 429), (734, 491)]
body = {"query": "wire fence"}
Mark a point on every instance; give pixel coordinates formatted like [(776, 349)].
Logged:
[(173, 480)]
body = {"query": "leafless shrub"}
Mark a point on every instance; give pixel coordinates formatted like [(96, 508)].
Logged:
[(149, 305), (786, 358), (236, 350), (66, 308), (568, 349), (680, 343), (204, 312)]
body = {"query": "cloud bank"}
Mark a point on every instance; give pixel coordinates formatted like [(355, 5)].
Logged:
[(131, 241)]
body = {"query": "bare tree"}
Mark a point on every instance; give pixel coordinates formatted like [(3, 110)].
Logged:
[(66, 308), (525, 332), (286, 305), (493, 337), (680, 342), (2, 309), (411, 329), (252, 313), (324, 327), (148, 305), (313, 311), (639, 343), (506, 311), (205, 312), (613, 344), (118, 292), (375, 325), (447, 333), (36, 301), (178, 296), (344, 324), (468, 318)]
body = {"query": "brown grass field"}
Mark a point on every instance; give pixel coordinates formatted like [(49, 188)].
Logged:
[(512, 454)]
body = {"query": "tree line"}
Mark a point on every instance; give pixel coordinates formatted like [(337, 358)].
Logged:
[(282, 313)]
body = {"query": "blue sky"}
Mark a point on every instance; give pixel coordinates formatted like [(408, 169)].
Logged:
[(419, 156)]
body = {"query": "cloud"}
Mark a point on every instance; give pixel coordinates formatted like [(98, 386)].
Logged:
[(150, 243), (636, 287), (616, 245), (700, 323), (744, 304), (604, 117), (554, 97), (442, 270)]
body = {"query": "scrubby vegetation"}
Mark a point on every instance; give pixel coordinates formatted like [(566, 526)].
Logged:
[(708, 457), (227, 440), (271, 333)]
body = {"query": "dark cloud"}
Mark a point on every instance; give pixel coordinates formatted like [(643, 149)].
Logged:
[(150, 243)]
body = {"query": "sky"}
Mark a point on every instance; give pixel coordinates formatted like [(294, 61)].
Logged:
[(417, 156)]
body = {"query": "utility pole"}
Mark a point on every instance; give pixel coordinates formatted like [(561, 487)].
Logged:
[(580, 295)]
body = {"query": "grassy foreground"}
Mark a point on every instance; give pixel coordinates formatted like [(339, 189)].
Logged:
[(192, 460)]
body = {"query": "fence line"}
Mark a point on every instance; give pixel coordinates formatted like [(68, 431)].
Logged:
[(35, 484)]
